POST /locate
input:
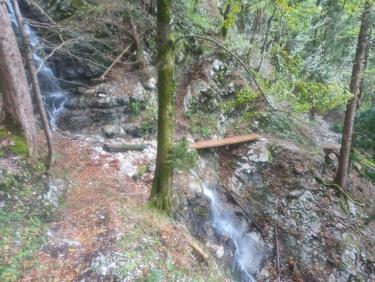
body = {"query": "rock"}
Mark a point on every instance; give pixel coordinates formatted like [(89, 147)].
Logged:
[(258, 152), (111, 131), (217, 65), (219, 253), (295, 194), (332, 278), (150, 84), (124, 147)]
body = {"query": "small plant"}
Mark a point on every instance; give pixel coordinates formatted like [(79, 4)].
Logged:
[(182, 157), (243, 98), (136, 107)]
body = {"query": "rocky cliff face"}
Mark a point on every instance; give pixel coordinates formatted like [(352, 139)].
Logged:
[(321, 234)]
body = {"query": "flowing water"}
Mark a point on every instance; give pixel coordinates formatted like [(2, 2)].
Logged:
[(54, 97), (250, 250)]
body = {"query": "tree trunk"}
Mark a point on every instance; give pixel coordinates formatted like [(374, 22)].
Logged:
[(362, 84), (35, 84), (266, 39), (224, 28), (162, 184), (357, 71), (257, 24), (18, 106)]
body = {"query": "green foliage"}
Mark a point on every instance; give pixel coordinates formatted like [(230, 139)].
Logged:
[(20, 238), (244, 97), (20, 146), (182, 157), (365, 165), (136, 107), (323, 97), (231, 16), (22, 219), (364, 144), (365, 132)]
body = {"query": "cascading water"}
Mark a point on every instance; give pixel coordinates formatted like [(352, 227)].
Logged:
[(54, 97), (250, 250)]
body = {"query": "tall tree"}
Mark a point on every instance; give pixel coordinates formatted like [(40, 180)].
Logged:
[(162, 184), (35, 85), (357, 71), (17, 106)]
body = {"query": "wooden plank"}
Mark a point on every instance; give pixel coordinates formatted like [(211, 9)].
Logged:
[(225, 141)]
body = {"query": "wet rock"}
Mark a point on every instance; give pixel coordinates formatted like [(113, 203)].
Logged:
[(111, 131), (219, 253), (295, 194)]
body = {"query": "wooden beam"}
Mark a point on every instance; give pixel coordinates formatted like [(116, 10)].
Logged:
[(224, 141)]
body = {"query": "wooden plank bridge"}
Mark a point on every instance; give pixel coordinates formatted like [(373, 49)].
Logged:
[(224, 141)]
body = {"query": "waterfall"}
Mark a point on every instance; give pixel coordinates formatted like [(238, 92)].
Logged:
[(250, 250), (54, 97)]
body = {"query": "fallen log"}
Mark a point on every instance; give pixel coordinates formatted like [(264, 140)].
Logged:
[(124, 148)]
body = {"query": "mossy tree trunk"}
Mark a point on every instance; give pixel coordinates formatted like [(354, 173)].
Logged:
[(160, 195), (14, 88), (357, 72)]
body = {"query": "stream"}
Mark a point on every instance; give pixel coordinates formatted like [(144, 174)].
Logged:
[(251, 252)]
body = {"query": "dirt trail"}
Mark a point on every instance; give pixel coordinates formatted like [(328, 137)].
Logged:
[(89, 222), (104, 229)]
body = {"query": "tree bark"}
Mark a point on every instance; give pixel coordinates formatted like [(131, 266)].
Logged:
[(224, 28), (18, 107), (162, 184), (367, 54), (357, 71), (263, 49), (35, 86)]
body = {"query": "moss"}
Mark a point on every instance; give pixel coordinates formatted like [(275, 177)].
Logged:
[(142, 169), (4, 133), (20, 146), (19, 143)]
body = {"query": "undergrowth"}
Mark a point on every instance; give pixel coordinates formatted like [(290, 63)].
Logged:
[(157, 249), (23, 217)]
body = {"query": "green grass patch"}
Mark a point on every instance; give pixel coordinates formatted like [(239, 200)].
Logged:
[(23, 217), (20, 237)]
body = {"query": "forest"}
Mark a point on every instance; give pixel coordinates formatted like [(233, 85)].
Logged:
[(187, 140)]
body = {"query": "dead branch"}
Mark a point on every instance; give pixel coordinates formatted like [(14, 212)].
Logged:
[(52, 53), (199, 250), (278, 261), (339, 189), (115, 62)]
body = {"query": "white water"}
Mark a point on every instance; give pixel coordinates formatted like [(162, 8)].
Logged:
[(250, 250), (54, 97)]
